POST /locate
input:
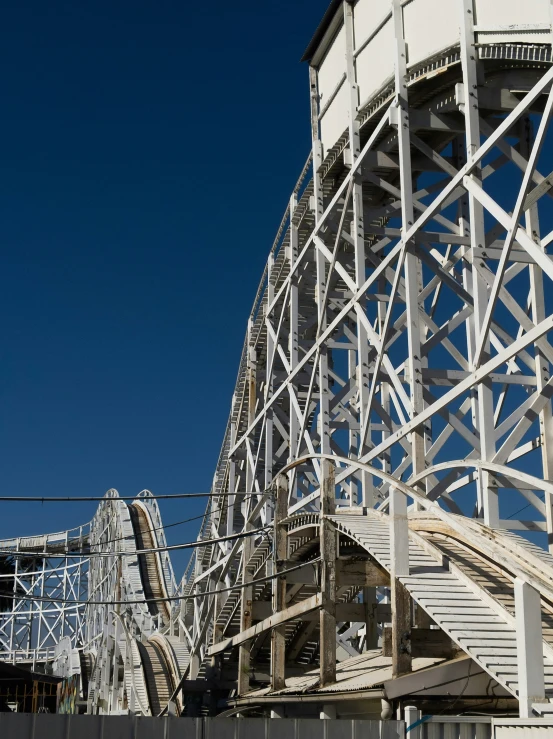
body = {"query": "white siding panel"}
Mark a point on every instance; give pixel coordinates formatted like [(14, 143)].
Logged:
[(368, 15), (375, 64), (430, 26), (332, 67), (511, 12), (335, 120)]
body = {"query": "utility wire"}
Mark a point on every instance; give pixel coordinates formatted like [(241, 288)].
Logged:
[(166, 526), (191, 596), (524, 507), (88, 498), (153, 550)]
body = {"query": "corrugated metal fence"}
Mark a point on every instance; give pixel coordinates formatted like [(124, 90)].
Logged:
[(479, 727), (57, 726)]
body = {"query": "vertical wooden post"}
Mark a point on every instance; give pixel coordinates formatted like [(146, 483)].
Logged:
[(537, 298), (328, 579), (358, 235), (214, 671), (269, 421), (280, 544), (488, 500), (531, 682), (244, 651), (400, 598), (371, 625), (293, 344)]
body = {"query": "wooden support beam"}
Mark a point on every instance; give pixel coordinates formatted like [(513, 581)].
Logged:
[(289, 614), (359, 572), (370, 606), (401, 628), (423, 643), (246, 596), (328, 536), (280, 552), (531, 681), (262, 609)]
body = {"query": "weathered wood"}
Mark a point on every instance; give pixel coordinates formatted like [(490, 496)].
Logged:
[(328, 536), (359, 572), (370, 606), (529, 643), (423, 643), (289, 614), (262, 609), (422, 619), (401, 629), (307, 575), (280, 552)]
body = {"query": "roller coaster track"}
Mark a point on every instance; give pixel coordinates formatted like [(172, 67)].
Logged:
[(391, 417)]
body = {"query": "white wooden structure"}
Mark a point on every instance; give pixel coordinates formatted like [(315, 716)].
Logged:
[(392, 414)]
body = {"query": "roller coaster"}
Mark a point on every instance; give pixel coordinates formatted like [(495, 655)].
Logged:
[(363, 544)]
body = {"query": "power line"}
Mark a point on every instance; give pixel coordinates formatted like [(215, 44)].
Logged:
[(165, 526), (88, 498), (169, 598), (153, 550)]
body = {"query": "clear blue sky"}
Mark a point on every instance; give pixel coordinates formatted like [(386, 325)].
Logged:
[(147, 152)]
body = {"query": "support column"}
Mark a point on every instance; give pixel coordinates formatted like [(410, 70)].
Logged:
[(280, 553), (413, 268), (399, 532), (400, 598), (269, 382), (214, 672), (328, 576), (371, 625), (537, 303), (247, 545), (293, 356), (488, 501), (358, 235), (320, 263), (531, 682)]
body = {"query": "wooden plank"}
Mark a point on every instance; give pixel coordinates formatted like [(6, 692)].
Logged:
[(289, 614), (457, 611)]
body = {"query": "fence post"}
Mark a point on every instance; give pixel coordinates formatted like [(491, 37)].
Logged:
[(531, 682), (412, 715)]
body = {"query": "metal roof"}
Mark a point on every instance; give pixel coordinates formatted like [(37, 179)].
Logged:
[(368, 670), (321, 30)]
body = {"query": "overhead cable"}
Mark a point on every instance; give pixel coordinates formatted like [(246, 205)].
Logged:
[(169, 598), (152, 550), (130, 537), (97, 498)]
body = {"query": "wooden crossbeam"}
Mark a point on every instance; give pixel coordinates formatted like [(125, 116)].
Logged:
[(289, 614)]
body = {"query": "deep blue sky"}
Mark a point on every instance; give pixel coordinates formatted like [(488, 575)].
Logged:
[(147, 152)]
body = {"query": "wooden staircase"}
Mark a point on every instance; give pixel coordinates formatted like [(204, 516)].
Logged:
[(462, 605)]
